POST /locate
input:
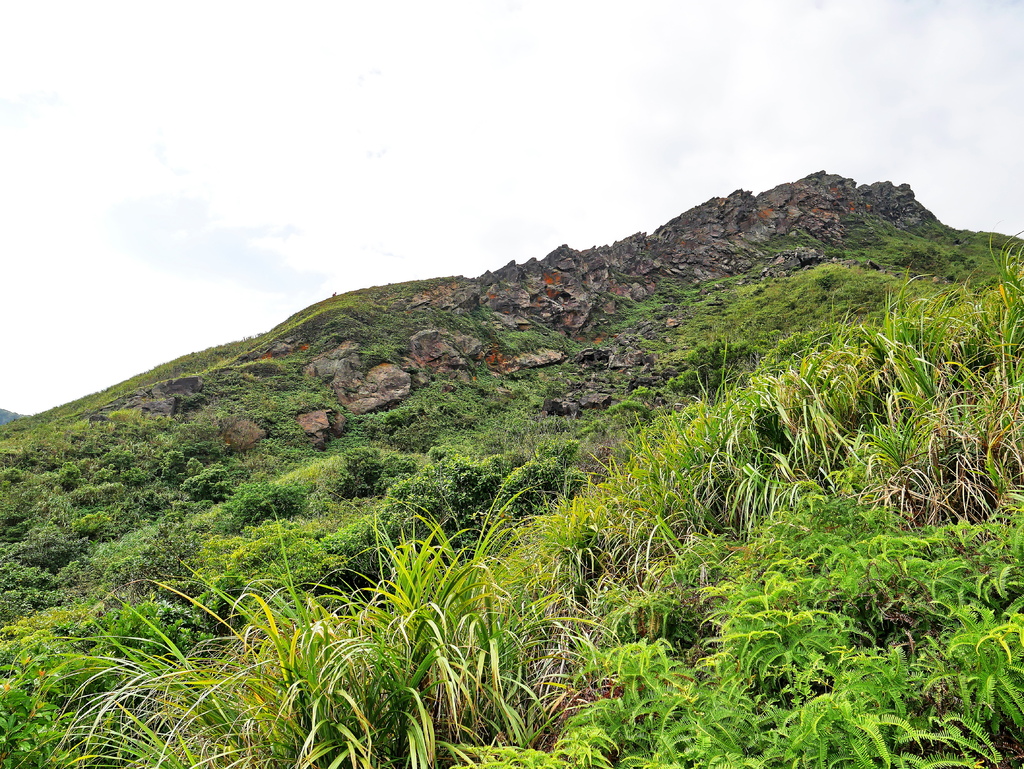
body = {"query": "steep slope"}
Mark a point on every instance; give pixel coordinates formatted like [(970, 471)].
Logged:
[(818, 567), (7, 416), (376, 347), (127, 483)]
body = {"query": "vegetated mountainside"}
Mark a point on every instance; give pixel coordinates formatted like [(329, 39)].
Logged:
[(7, 416), (353, 393), (310, 453)]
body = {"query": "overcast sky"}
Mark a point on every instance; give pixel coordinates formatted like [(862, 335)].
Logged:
[(180, 174)]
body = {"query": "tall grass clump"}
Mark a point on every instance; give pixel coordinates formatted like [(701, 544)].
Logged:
[(445, 652), (920, 412)]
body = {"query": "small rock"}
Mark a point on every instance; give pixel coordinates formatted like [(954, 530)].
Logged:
[(592, 355), (384, 386), (316, 425), (595, 401), (554, 407), (537, 359), (628, 358)]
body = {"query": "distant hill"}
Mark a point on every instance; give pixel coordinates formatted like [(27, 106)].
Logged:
[(7, 416)]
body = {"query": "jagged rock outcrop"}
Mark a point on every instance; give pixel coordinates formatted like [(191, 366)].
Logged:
[(278, 349), (573, 292), (567, 289), (502, 364), (457, 296)]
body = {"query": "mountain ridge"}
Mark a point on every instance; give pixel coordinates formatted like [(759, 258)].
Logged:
[(716, 239), (543, 311)]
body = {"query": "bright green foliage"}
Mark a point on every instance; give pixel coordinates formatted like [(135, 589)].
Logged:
[(30, 727), (710, 365), (443, 652), (256, 502), (212, 483), (813, 561), (24, 589), (919, 413), (369, 472), (457, 491), (152, 624), (830, 636), (306, 550), (462, 493)]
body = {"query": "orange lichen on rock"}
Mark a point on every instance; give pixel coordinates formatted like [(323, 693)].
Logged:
[(496, 359), (551, 278)]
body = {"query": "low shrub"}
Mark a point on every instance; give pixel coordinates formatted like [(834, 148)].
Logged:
[(253, 503)]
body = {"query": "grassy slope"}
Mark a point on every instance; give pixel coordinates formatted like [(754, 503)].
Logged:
[(822, 568), (86, 506)]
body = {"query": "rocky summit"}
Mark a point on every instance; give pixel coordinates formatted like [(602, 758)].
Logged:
[(568, 289)]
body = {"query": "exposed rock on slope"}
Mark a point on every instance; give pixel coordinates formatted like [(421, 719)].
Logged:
[(161, 399), (373, 347), (719, 238), (361, 391)]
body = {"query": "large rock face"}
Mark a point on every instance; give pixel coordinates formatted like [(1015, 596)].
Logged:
[(361, 392), (444, 353), (567, 289), (383, 386), (173, 388)]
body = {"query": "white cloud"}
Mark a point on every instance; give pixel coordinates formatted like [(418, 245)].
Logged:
[(330, 146)]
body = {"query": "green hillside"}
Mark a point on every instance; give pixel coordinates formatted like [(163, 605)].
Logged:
[(595, 510), (7, 416)]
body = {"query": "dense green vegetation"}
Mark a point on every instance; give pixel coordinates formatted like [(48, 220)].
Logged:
[(797, 544)]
